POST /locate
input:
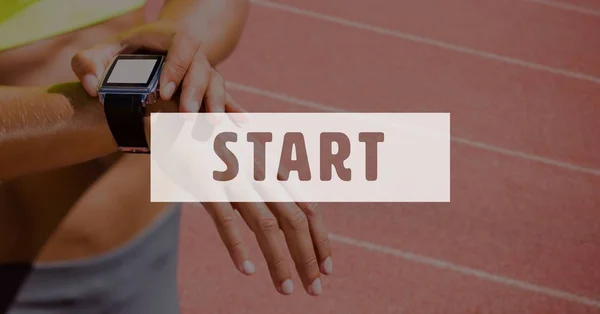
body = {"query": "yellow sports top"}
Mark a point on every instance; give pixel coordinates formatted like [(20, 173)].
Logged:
[(26, 21)]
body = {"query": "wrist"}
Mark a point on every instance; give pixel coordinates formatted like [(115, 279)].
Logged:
[(158, 106), (84, 110)]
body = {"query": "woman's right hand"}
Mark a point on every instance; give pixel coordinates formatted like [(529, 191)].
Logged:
[(297, 226)]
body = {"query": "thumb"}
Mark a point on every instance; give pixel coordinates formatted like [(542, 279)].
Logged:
[(89, 65)]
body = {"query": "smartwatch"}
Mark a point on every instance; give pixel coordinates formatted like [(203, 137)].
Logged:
[(127, 86)]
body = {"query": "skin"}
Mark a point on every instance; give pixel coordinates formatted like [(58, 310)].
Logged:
[(61, 211)]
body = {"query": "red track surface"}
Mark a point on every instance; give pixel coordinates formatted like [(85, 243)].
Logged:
[(522, 83)]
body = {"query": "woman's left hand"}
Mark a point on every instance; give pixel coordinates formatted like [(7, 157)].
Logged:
[(186, 66)]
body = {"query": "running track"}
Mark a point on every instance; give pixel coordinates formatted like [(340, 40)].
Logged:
[(521, 79)]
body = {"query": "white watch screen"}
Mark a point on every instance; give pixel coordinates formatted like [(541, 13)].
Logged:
[(131, 71)]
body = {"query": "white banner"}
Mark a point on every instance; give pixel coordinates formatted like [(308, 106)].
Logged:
[(308, 157)]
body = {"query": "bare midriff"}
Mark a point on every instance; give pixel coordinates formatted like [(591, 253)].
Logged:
[(83, 210)]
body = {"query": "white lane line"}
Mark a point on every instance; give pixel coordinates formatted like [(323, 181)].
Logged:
[(567, 6), (464, 141), (441, 264), (428, 41)]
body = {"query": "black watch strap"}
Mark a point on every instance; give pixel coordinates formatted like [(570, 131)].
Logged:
[(125, 117)]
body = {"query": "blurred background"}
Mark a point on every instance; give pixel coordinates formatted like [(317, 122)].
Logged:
[(521, 79)]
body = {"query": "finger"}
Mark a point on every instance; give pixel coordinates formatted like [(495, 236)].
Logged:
[(232, 105), (90, 64), (239, 115), (195, 84), (319, 235), (215, 93), (182, 53), (225, 220), (265, 227), (316, 223), (294, 224)]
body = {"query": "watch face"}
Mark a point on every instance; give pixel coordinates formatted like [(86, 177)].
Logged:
[(132, 71)]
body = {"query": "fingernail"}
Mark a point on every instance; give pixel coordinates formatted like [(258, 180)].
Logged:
[(315, 288), (239, 118), (192, 106), (287, 287), (242, 117), (90, 83), (327, 266), (168, 90), (313, 205), (248, 267)]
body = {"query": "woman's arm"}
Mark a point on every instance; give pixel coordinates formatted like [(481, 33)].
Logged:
[(218, 24), (42, 128)]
